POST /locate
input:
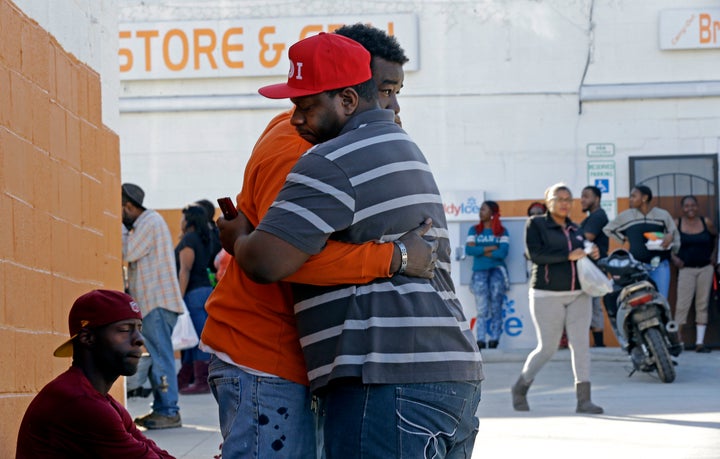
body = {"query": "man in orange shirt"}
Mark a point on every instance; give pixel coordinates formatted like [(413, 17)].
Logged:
[(257, 373)]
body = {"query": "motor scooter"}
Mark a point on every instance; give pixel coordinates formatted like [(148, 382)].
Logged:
[(641, 316)]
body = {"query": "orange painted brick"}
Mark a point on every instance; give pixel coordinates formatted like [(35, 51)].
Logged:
[(7, 354), (58, 131), (78, 249), (112, 198), (91, 190), (35, 312), (75, 71), (87, 241), (112, 204), (5, 92), (25, 379), (110, 150), (42, 180), (10, 33), (25, 230), (43, 240), (59, 252), (69, 194), (16, 166), (7, 251), (3, 302), (118, 391), (47, 343), (111, 276), (90, 159), (21, 105), (81, 79), (72, 135), (50, 65), (13, 408), (5, 149), (40, 118), (16, 294), (94, 94), (63, 76), (62, 300), (35, 50), (52, 191)]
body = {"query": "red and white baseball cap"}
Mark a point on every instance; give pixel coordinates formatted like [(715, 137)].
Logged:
[(321, 63), (95, 309)]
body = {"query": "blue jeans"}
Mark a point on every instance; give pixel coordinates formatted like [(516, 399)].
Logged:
[(422, 420), (195, 301), (157, 330), (261, 417), (661, 277), (489, 287)]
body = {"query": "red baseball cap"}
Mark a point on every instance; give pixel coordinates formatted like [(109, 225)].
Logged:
[(95, 309), (321, 63)]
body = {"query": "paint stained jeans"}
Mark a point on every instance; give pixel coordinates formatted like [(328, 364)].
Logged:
[(489, 287), (260, 416), (404, 421)]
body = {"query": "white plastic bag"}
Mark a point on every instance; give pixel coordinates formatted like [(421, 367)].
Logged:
[(593, 281), (184, 335)]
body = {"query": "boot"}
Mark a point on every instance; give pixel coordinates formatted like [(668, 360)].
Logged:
[(185, 376), (584, 405), (200, 386), (598, 338), (519, 392)]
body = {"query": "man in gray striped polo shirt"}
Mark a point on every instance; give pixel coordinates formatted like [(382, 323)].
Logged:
[(394, 361)]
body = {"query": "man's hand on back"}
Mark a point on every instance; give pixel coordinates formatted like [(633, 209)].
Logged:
[(422, 254)]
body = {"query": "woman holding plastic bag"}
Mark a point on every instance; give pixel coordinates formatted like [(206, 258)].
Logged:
[(554, 244)]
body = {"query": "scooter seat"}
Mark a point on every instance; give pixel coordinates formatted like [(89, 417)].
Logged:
[(634, 288)]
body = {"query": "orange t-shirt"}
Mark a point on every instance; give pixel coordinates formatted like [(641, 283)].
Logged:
[(254, 323)]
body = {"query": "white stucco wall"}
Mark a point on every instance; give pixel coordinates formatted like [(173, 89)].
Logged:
[(495, 105)]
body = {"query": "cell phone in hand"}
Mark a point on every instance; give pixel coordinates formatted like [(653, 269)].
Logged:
[(227, 206)]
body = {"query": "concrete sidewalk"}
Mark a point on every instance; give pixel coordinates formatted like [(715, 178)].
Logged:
[(642, 415)]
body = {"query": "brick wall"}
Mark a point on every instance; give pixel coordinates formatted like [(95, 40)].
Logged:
[(59, 206)]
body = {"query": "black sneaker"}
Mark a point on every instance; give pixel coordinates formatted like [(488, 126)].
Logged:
[(481, 344), (154, 420), (702, 349), (493, 344)]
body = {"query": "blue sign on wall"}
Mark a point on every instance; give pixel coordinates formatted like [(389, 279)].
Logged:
[(603, 184)]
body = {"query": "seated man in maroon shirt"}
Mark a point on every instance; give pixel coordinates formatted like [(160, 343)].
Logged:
[(73, 415)]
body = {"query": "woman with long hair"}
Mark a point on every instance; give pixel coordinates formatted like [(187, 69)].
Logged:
[(193, 254), (488, 242)]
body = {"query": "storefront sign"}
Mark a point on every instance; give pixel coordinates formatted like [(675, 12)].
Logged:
[(690, 28), (462, 205), (602, 175), (238, 47)]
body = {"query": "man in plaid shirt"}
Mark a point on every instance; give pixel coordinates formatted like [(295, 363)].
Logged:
[(152, 280)]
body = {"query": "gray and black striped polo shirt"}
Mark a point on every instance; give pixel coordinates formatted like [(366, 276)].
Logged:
[(372, 183)]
